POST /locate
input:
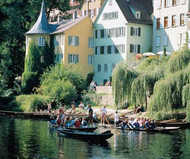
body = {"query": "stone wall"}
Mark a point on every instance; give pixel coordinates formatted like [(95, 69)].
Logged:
[(107, 99), (104, 89)]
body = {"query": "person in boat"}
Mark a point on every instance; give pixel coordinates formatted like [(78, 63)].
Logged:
[(67, 122), (103, 115), (147, 124), (52, 119), (77, 123), (62, 109), (81, 105), (84, 123), (63, 117), (139, 109), (142, 122), (72, 121), (90, 115), (50, 106), (58, 120), (116, 119), (136, 124), (152, 124)]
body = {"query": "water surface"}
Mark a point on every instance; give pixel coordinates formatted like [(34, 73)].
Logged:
[(24, 139)]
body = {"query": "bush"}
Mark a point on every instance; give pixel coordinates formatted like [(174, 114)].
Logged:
[(28, 103), (92, 98)]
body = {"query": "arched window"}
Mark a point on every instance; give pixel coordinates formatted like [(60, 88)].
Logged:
[(99, 68), (105, 67), (113, 66)]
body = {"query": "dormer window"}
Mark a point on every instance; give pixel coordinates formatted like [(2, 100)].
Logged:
[(138, 15)]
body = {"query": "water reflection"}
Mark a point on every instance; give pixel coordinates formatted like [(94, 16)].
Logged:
[(31, 139)]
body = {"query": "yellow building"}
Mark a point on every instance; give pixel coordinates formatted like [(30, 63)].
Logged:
[(73, 43), (73, 40), (91, 8)]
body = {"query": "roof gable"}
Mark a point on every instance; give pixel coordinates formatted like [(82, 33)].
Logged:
[(41, 26)]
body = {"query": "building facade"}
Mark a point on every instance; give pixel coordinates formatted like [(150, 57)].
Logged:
[(122, 29), (73, 40), (170, 24)]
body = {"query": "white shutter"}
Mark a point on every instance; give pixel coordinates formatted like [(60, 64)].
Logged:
[(182, 1), (161, 22), (83, 13), (169, 21), (159, 4), (184, 38), (185, 19), (97, 11), (179, 39), (177, 19), (177, 2)]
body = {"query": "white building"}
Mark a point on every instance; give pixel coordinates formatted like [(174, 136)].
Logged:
[(170, 24), (122, 29)]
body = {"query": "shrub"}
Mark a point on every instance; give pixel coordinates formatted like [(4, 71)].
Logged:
[(28, 103), (92, 98)]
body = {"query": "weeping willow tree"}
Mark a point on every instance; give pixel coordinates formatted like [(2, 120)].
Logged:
[(122, 79), (167, 94), (186, 99), (142, 86)]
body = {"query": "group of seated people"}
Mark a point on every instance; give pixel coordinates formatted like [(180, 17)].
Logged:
[(69, 122), (138, 123)]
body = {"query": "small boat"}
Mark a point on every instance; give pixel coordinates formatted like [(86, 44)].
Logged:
[(86, 135), (157, 129), (86, 129), (182, 125)]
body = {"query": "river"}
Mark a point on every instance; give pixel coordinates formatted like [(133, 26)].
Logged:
[(25, 139)]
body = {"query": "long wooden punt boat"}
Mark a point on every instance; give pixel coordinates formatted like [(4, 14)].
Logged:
[(86, 129), (182, 125), (86, 135), (156, 130)]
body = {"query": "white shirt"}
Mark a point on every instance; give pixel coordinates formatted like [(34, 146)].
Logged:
[(116, 118), (104, 110)]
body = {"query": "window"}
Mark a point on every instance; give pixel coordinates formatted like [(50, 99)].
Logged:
[(166, 3), (158, 41), (73, 40), (58, 58), (165, 22), (109, 49), (92, 12), (101, 49), (183, 1), (120, 31), (173, 20), (41, 41), (102, 33), (174, 2), (165, 40), (90, 42), (97, 50), (121, 48), (110, 2), (159, 4), (90, 59), (135, 31), (158, 23), (138, 15), (134, 48), (112, 66), (73, 58), (105, 67), (99, 68), (182, 22), (110, 16)]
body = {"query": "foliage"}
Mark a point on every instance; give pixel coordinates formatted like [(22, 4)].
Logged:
[(92, 98), (28, 103), (186, 99), (62, 82), (122, 79), (179, 60), (17, 17)]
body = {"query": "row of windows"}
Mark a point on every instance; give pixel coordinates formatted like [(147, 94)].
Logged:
[(110, 49), (172, 21), (168, 3), (112, 32), (92, 12), (110, 16), (181, 39), (73, 58), (99, 67)]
